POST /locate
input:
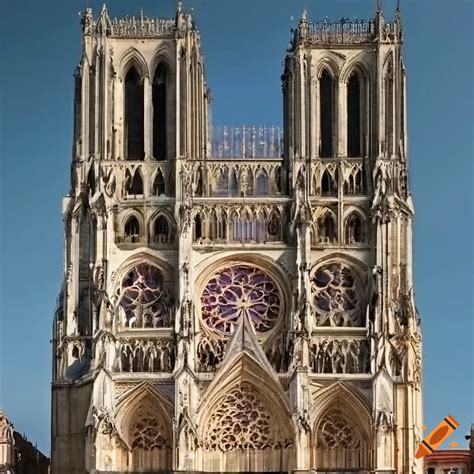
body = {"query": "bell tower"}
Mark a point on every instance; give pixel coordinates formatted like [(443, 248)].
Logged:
[(140, 109), (344, 89)]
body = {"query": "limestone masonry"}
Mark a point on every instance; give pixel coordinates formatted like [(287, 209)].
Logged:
[(237, 299)]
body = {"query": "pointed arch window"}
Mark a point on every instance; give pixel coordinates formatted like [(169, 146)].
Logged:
[(354, 183), (134, 116), (161, 230), (134, 185), (326, 106), (132, 230), (222, 182), (91, 181), (159, 184), (199, 183), (233, 185), (353, 116), (329, 183), (159, 97), (262, 184), (197, 227), (388, 106)]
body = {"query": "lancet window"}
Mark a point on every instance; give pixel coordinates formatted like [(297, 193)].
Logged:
[(354, 183), (326, 107), (329, 183), (134, 116), (388, 90), (262, 184), (159, 98), (161, 230), (158, 184), (133, 184), (353, 116), (132, 230)]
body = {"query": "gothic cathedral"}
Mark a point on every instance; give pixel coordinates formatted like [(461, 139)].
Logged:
[(237, 299)]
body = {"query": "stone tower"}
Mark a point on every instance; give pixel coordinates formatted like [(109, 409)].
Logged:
[(237, 299)]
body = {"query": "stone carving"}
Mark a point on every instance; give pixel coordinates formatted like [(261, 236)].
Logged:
[(384, 419), (340, 357), (146, 355), (87, 21), (336, 432), (301, 419), (241, 420), (104, 416), (336, 296)]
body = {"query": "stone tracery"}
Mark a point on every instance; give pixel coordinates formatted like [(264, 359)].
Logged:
[(336, 432), (336, 296), (238, 290), (144, 298), (241, 420)]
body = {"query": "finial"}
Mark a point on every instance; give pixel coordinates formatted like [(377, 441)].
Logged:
[(304, 16), (379, 6), (398, 6)]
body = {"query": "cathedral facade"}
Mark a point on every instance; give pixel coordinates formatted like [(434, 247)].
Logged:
[(237, 299)]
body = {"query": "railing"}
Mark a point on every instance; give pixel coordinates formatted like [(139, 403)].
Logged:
[(341, 31), (247, 142), (143, 26)]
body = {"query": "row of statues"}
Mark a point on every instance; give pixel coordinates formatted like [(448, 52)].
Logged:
[(147, 356), (340, 357)]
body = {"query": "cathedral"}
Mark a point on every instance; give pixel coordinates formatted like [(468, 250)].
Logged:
[(237, 299)]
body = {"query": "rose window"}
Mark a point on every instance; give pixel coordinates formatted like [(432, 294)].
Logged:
[(144, 300), (336, 296), (237, 291), (335, 432)]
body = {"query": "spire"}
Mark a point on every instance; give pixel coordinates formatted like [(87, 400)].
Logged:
[(303, 24), (379, 6), (104, 26), (180, 19)]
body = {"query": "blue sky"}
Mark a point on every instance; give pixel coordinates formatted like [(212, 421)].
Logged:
[(244, 44)]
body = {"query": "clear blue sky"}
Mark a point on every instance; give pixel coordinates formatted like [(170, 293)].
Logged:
[(244, 44)]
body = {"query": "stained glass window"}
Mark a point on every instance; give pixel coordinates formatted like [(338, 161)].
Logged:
[(238, 290)]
